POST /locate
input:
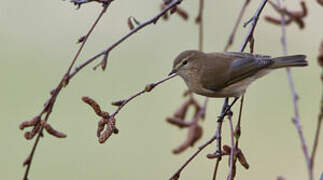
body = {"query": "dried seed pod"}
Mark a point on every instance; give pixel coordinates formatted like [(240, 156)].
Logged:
[(277, 21), (182, 110), (32, 122), (104, 136), (95, 106), (29, 135), (104, 61), (129, 22), (165, 16), (194, 134), (173, 10), (101, 125), (213, 155), (52, 131), (109, 130), (242, 159), (182, 13), (178, 122), (226, 149)]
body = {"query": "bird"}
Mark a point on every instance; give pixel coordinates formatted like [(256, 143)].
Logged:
[(227, 74)]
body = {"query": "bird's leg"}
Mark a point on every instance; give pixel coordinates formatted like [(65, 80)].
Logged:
[(226, 108)]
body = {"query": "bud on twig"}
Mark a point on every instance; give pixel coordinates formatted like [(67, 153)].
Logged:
[(320, 56), (118, 103), (81, 39)]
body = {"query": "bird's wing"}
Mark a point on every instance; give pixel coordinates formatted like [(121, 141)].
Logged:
[(246, 67), (232, 68), (215, 70)]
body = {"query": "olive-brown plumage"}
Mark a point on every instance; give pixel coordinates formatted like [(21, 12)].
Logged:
[(227, 74)]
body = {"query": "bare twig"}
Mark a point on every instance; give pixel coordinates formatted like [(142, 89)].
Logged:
[(50, 103), (199, 20), (152, 20), (295, 102), (69, 75), (148, 88), (320, 116), (230, 176), (176, 175), (234, 30)]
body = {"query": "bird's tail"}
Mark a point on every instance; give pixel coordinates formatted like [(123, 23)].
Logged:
[(289, 61)]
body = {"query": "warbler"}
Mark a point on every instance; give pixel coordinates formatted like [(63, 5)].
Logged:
[(227, 74)]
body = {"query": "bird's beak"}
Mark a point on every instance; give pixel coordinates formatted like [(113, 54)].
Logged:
[(172, 72)]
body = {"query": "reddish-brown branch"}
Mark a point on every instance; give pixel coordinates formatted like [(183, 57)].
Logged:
[(148, 88), (50, 103), (296, 118), (234, 30), (253, 22), (176, 175), (320, 116), (69, 75), (199, 20), (152, 20), (231, 161)]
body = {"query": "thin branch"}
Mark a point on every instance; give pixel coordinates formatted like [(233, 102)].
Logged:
[(234, 30), (253, 22), (152, 20), (237, 131), (69, 75), (295, 102), (230, 176), (218, 133), (176, 175), (237, 134), (147, 88), (320, 116), (199, 20), (317, 136), (50, 103)]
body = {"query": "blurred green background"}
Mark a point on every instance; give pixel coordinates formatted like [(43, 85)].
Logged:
[(38, 42)]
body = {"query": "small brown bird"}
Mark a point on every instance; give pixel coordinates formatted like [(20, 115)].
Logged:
[(227, 74)]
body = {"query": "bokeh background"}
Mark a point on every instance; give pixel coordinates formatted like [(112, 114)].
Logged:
[(38, 42)]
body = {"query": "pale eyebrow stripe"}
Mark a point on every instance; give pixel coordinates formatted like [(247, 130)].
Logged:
[(187, 57)]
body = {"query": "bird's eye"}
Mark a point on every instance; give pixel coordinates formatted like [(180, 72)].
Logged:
[(184, 62)]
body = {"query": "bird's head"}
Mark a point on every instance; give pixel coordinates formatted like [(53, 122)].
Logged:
[(186, 62)]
